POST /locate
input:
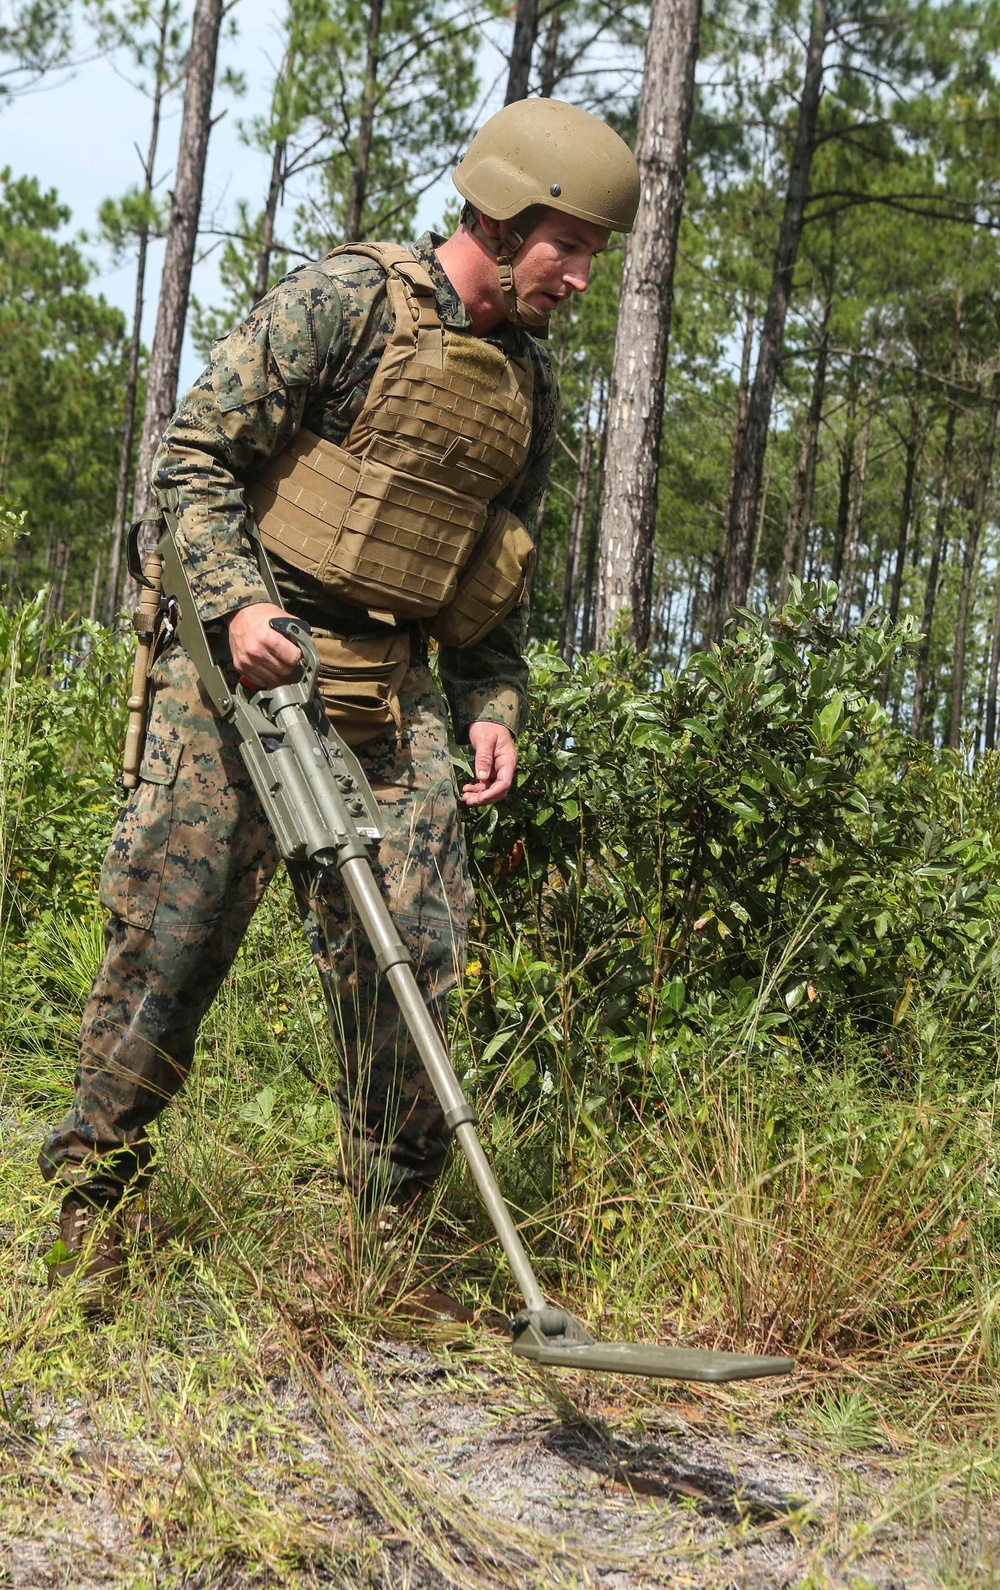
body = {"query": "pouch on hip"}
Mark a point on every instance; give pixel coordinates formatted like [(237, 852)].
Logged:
[(360, 679), (494, 579)]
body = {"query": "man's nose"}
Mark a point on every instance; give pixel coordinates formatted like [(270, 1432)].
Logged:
[(577, 275)]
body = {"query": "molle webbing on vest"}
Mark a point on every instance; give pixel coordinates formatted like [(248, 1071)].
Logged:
[(388, 519), (493, 581), (364, 531)]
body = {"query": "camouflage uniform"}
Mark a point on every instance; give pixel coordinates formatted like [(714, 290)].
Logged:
[(192, 853)]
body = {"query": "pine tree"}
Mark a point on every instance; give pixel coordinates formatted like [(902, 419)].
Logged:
[(635, 409), (62, 368), (149, 35), (370, 107), (182, 234)]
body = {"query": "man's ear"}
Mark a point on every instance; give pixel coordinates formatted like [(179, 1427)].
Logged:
[(489, 226)]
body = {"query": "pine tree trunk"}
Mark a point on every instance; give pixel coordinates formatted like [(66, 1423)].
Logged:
[(135, 342), (800, 511), (920, 685), (921, 682), (549, 68), (750, 462), (63, 566), (50, 594), (713, 610), (857, 505), (358, 191), (905, 512), (845, 474), (581, 495), (7, 387), (267, 223), (587, 623), (990, 733), (185, 207), (843, 506), (977, 735), (970, 563), (522, 46), (95, 586), (635, 408), (761, 516), (685, 645)]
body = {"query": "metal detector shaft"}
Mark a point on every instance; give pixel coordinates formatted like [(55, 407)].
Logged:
[(460, 1117), (547, 1336)]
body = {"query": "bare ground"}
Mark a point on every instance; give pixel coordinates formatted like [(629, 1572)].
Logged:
[(412, 1464)]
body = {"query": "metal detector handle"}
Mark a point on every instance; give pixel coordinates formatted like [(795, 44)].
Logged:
[(299, 632)]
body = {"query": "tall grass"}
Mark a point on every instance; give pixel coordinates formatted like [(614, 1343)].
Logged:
[(716, 1183), (246, 1342)]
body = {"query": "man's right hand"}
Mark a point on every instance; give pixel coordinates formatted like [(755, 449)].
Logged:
[(262, 657)]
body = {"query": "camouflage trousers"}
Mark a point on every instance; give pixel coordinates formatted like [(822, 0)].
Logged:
[(187, 865)]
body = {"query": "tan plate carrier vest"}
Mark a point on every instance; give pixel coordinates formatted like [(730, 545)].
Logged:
[(400, 518)]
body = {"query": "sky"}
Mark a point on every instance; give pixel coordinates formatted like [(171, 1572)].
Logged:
[(78, 135)]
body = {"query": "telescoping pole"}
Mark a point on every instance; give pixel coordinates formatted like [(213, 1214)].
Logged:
[(394, 960)]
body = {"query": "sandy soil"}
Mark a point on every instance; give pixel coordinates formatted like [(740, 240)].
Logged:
[(679, 1490)]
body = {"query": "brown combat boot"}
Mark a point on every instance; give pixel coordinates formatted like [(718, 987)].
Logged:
[(90, 1252)]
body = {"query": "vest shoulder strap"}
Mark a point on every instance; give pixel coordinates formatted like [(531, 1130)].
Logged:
[(411, 294), (394, 260)]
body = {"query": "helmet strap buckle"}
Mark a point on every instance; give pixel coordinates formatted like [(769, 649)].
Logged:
[(503, 249), (517, 311)]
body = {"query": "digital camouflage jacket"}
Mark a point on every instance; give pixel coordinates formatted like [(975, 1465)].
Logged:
[(305, 356)]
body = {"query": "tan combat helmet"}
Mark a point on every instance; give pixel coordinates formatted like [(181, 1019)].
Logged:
[(542, 151)]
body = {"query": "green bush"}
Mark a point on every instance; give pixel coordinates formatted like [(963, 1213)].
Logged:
[(62, 718), (750, 832), (745, 848)]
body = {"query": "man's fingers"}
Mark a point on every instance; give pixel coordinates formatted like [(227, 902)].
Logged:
[(495, 764), (260, 666), (261, 654), (276, 653)]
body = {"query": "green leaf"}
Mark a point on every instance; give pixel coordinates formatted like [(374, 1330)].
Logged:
[(495, 1044), (674, 994), (831, 720)]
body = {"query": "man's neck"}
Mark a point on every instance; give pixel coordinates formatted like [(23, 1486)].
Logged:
[(472, 272)]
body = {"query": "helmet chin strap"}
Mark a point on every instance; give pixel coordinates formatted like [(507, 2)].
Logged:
[(503, 249)]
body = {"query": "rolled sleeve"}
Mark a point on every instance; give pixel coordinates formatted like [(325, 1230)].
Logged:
[(488, 683)]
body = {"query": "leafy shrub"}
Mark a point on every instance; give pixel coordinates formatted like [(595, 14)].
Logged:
[(749, 828), (62, 718)]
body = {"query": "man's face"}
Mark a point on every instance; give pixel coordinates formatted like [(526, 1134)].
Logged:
[(555, 259)]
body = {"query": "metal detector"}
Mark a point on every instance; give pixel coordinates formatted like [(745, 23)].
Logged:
[(324, 814)]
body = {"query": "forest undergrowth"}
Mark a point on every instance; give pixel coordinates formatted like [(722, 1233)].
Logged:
[(730, 1019)]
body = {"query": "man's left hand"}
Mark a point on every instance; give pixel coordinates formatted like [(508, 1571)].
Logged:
[(495, 764)]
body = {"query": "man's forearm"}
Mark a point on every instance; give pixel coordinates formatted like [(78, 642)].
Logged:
[(488, 683)]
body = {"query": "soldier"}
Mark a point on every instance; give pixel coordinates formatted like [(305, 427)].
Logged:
[(389, 417)]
